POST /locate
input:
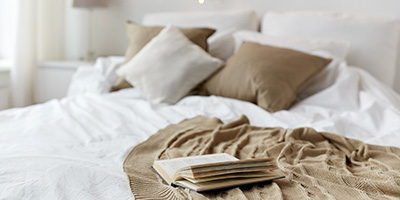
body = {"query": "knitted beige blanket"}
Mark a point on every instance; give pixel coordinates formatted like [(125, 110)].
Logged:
[(317, 165)]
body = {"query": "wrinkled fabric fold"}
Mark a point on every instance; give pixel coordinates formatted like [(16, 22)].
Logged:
[(317, 165)]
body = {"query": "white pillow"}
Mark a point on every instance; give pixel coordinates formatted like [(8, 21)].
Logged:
[(95, 79), (224, 22), (168, 67), (373, 39), (336, 49)]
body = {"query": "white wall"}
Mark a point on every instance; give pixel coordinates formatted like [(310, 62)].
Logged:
[(109, 24)]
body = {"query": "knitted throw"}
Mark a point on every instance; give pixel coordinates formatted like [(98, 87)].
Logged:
[(317, 165)]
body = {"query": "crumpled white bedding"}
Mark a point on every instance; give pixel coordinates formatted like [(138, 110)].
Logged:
[(74, 148), (97, 78)]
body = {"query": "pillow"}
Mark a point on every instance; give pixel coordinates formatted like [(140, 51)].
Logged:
[(139, 36), (95, 79), (335, 48), (373, 39), (221, 43), (323, 48), (168, 67), (269, 76)]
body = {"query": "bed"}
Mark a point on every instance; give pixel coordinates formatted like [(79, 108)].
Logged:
[(75, 148)]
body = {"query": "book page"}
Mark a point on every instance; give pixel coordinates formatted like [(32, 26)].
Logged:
[(170, 166), (212, 185), (240, 175), (229, 164), (243, 166), (227, 171)]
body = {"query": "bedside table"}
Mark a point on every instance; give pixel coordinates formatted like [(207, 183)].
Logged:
[(4, 85), (53, 79)]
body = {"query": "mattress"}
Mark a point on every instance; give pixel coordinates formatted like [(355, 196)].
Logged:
[(74, 148)]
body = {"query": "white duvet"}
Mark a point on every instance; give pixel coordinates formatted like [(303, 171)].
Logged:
[(74, 148)]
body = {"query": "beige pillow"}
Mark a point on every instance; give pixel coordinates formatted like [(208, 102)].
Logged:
[(269, 76), (139, 36)]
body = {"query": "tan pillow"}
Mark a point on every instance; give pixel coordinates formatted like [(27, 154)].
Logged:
[(269, 76), (139, 36)]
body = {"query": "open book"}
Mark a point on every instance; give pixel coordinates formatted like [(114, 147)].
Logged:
[(215, 171)]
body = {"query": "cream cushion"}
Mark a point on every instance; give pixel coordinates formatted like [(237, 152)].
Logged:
[(168, 67), (139, 35)]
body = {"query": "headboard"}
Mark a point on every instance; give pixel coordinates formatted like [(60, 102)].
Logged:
[(109, 24)]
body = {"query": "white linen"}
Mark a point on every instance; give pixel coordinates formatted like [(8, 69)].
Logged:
[(95, 79), (74, 148), (374, 40), (168, 67)]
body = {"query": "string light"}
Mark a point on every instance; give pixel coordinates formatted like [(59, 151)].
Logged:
[(201, 1)]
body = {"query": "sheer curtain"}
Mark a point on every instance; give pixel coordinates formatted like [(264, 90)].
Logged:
[(39, 36)]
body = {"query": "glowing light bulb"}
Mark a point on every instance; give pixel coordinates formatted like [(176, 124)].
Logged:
[(201, 1)]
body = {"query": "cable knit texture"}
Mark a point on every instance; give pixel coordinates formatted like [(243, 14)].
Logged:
[(317, 165)]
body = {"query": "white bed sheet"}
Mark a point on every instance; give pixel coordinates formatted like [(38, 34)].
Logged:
[(74, 148)]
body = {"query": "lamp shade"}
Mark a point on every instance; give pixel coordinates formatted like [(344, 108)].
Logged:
[(89, 3)]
